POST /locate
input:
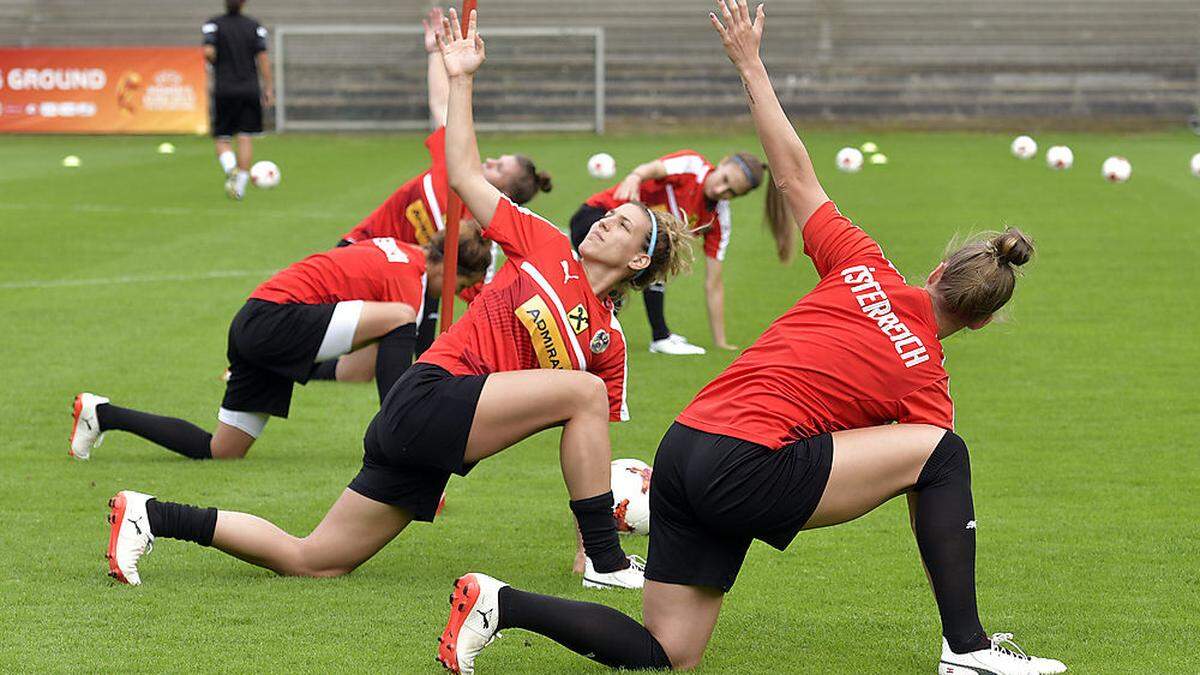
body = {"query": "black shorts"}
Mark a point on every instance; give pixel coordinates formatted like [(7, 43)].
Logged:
[(272, 346), (233, 115), (582, 222), (418, 438), (711, 495)]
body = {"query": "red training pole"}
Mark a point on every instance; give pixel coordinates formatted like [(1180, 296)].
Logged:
[(450, 257)]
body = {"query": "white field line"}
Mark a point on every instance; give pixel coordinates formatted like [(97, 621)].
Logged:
[(169, 211), (135, 279)]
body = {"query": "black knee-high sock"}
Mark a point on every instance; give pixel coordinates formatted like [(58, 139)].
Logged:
[(427, 331), (599, 530), (945, 528), (600, 633), (325, 370), (654, 298), (395, 356), (171, 433), (181, 521)]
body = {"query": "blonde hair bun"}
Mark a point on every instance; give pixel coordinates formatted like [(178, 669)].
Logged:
[(1012, 247)]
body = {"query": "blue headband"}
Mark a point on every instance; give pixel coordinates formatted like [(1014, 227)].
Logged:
[(653, 239), (746, 170)]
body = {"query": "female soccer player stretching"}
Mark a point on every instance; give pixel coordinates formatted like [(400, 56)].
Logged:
[(789, 438), (326, 305), (696, 191), (539, 349), (416, 210)]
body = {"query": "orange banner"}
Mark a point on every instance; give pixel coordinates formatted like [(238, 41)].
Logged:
[(117, 90)]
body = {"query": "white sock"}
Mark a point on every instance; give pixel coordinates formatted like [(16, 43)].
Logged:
[(228, 161), (243, 177)]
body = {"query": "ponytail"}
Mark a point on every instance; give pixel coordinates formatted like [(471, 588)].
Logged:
[(778, 219), (531, 181)]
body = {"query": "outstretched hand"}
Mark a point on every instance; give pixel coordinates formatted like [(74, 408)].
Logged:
[(739, 34), (432, 25), (462, 56)]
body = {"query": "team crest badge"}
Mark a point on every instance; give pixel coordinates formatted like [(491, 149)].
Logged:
[(578, 318), (600, 341)]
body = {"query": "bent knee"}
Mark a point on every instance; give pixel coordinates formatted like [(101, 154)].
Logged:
[(949, 458), (304, 561)]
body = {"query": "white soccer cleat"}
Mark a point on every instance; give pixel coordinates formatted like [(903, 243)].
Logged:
[(633, 576), (996, 660), (474, 613), (129, 536), (85, 431), (231, 189), (675, 345)]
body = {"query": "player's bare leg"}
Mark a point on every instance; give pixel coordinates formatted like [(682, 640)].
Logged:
[(230, 442), (354, 529), (515, 405), (391, 326), (358, 365), (682, 619)]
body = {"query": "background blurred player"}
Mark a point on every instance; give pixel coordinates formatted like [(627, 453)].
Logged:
[(416, 210), (367, 296), (694, 190), (542, 349), (236, 46), (797, 434)]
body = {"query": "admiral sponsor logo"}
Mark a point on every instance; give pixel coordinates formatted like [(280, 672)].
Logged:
[(578, 318), (876, 305), (418, 216), (548, 343), (600, 341)]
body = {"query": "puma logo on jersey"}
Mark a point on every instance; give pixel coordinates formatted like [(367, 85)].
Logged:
[(567, 276), (971, 525)]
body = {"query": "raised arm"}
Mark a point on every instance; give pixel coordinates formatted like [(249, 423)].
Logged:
[(439, 86), (462, 57), (791, 168)]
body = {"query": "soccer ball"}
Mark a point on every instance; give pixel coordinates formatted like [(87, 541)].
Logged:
[(1024, 147), (1059, 157), (264, 175), (850, 160), (1116, 169), (631, 495), (602, 165), (1196, 165)]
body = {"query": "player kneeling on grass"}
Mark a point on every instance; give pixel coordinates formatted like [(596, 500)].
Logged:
[(367, 296), (795, 435), (692, 189), (540, 347)]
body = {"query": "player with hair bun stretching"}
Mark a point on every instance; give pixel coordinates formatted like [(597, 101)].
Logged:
[(539, 348), (841, 405), (693, 189)]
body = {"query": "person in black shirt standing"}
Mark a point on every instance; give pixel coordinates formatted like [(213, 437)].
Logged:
[(236, 46)]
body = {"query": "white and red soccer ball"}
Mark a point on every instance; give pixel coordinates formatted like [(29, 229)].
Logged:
[(1024, 147), (264, 175), (1116, 169), (631, 495), (602, 165), (849, 160), (1060, 157)]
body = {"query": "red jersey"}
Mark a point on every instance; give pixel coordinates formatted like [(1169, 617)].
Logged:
[(415, 211), (376, 270), (859, 350), (539, 312), (681, 193)]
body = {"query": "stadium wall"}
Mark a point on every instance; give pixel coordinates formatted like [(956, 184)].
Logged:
[(831, 59)]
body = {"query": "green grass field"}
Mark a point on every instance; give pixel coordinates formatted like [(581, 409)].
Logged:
[(120, 277)]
